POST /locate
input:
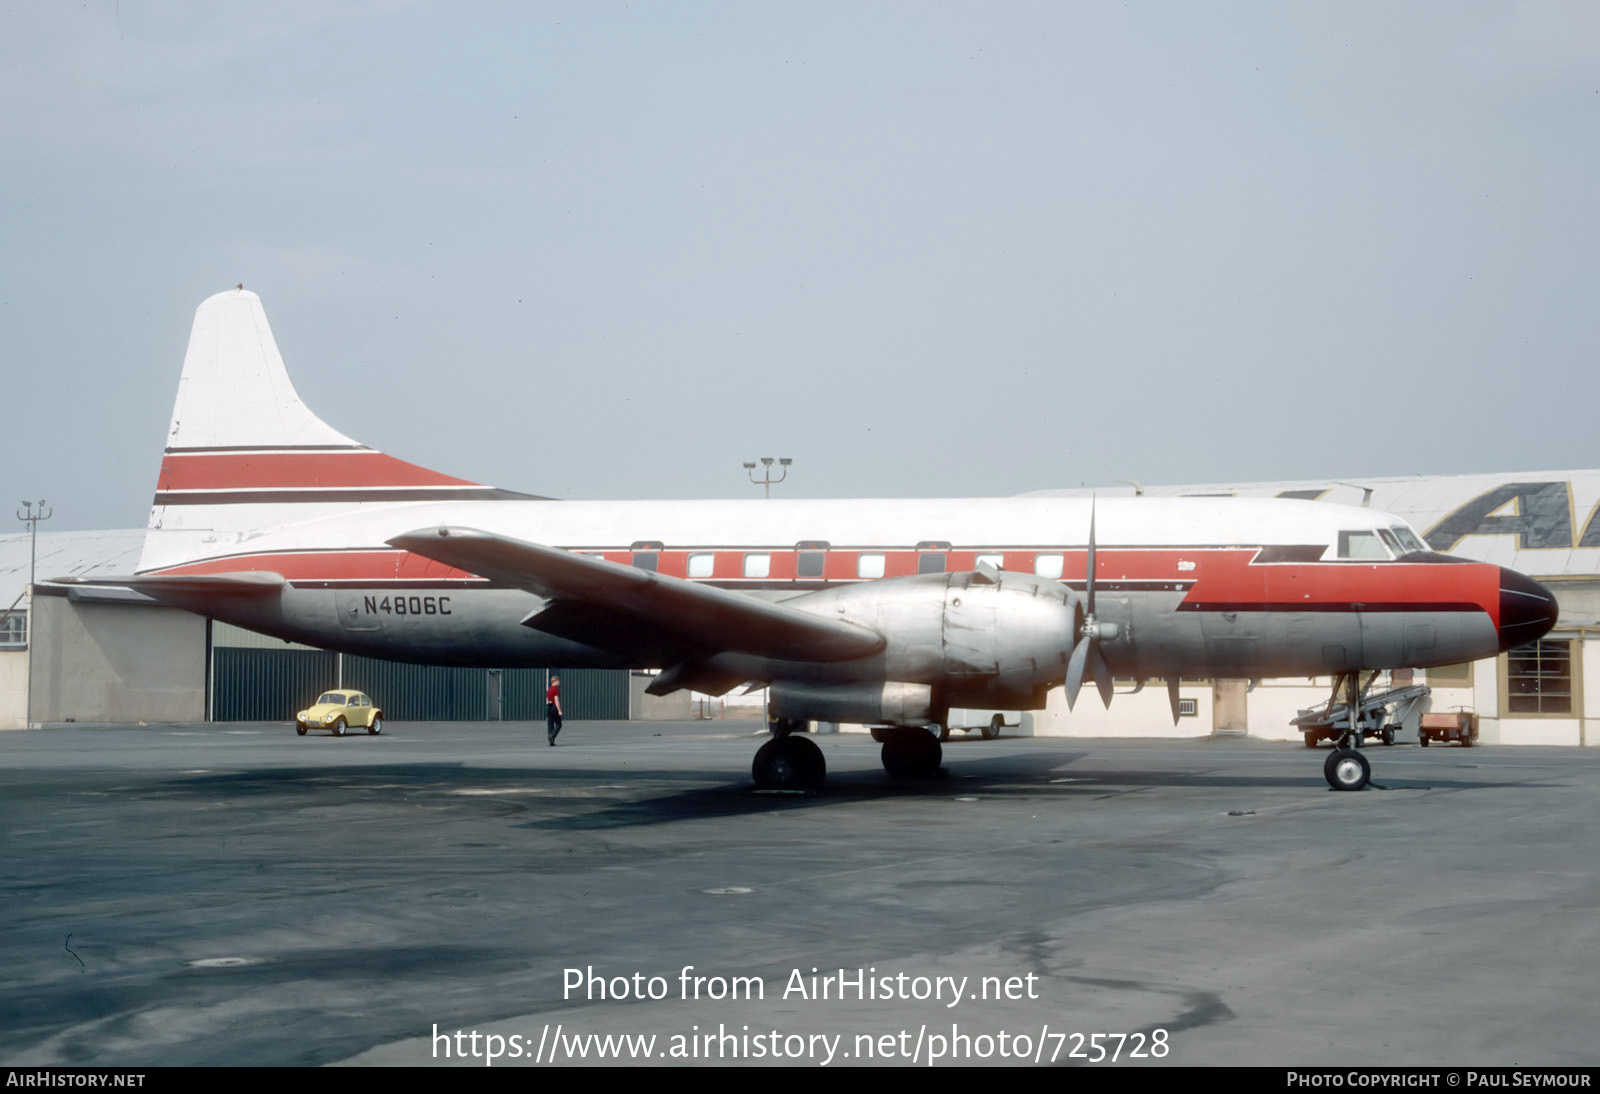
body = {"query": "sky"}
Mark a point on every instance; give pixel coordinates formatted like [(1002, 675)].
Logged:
[(601, 250)]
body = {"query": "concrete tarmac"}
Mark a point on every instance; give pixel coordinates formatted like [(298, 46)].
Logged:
[(235, 894)]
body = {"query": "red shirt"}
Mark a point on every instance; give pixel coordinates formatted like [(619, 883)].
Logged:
[(552, 693)]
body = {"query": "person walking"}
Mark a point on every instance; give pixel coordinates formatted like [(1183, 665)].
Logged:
[(552, 709)]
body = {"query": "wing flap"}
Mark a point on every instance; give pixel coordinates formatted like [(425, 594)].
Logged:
[(709, 618)]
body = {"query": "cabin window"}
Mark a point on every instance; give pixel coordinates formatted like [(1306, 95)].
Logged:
[(931, 562), (869, 565), (1539, 677), (702, 564), (997, 561), (757, 564), (1047, 565), (810, 564), (646, 560), (1361, 545)]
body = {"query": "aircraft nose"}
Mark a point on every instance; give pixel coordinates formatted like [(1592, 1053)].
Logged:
[(1527, 609)]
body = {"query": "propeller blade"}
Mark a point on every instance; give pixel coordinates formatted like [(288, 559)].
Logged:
[(1089, 585), (1172, 697), (1075, 667), (1102, 675)]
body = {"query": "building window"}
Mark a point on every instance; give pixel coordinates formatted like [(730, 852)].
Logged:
[(1539, 677), (14, 631), (1451, 676)]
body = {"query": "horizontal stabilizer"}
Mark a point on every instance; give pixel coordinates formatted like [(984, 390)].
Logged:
[(707, 618), (250, 584)]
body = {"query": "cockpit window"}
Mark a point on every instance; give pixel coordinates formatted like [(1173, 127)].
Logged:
[(1408, 540), (1361, 545), (1390, 540)]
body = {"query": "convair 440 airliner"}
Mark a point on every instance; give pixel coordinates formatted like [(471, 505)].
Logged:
[(888, 613)]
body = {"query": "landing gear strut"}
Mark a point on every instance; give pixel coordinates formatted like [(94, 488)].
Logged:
[(1346, 768), (911, 752)]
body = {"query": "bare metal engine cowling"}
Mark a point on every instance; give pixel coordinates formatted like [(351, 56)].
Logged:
[(984, 638)]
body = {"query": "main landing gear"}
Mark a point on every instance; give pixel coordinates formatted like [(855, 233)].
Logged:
[(910, 752), (790, 760)]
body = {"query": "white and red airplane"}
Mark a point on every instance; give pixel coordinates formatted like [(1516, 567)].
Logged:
[(887, 612)]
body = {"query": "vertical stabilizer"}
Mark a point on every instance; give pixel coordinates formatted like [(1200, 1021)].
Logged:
[(235, 391), (245, 456)]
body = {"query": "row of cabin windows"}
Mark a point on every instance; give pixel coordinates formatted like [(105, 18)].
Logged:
[(810, 564), (1385, 543)]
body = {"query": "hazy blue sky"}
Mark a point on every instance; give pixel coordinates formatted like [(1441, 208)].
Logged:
[(610, 250)]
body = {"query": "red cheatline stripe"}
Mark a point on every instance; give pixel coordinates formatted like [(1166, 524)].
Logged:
[(288, 470), (331, 566), (1223, 579)]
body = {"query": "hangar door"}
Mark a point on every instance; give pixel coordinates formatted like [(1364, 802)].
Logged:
[(270, 685)]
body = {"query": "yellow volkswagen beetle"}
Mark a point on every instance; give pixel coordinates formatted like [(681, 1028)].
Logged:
[(337, 710)]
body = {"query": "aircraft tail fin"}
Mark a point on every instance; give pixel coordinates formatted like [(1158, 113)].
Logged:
[(245, 454)]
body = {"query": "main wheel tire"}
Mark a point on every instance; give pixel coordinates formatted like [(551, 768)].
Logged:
[(992, 730), (1347, 769), (377, 725), (300, 728), (789, 763), (911, 754), (338, 727), (879, 734)]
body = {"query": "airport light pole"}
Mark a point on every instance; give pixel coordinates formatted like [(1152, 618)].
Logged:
[(28, 516), (766, 480)]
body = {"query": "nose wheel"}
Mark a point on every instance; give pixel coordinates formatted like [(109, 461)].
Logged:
[(1347, 769)]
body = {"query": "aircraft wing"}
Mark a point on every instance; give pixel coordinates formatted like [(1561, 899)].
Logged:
[(621, 607)]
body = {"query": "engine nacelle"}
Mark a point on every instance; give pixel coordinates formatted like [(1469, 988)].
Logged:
[(996, 637), (895, 704)]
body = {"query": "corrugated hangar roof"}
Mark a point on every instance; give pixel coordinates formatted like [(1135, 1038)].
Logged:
[(66, 554)]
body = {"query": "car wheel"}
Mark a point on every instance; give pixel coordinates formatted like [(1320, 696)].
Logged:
[(377, 725), (338, 727), (300, 728)]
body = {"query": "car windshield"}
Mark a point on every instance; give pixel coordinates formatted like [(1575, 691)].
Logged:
[(332, 697)]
